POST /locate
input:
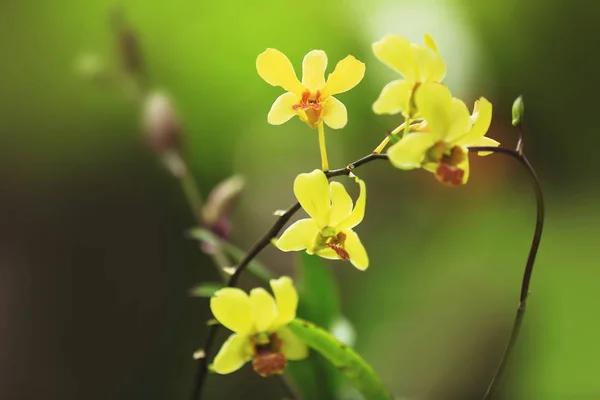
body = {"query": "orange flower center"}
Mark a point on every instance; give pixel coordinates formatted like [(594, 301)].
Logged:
[(447, 170), (268, 359), (336, 243), (310, 107)]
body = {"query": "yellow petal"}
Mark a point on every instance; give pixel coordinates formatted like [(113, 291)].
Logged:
[(464, 165), (231, 307), (235, 352), (356, 251), (394, 98), (485, 141), (461, 122), (313, 70), (328, 253), (292, 347), (286, 298), (299, 236), (312, 191), (277, 70), (341, 203), (410, 151), (334, 113), (358, 212), (264, 309), (437, 70), (282, 109), (483, 119), (396, 52), (435, 105), (347, 74)]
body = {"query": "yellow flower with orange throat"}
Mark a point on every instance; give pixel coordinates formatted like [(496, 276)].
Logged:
[(329, 231), (259, 323), (312, 99), (441, 144), (417, 64)]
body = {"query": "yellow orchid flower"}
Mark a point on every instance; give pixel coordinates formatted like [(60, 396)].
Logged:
[(259, 323), (441, 145), (418, 65), (312, 100), (328, 232)]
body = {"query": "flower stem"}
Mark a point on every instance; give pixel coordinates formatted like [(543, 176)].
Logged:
[(385, 141), (323, 147), (535, 243), (192, 194)]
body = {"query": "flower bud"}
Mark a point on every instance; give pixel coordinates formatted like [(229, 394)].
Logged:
[(127, 45), (160, 123), (518, 109), (220, 205)]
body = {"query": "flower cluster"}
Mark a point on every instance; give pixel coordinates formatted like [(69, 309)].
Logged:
[(435, 135)]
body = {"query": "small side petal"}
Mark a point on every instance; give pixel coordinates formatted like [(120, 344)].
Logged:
[(410, 151), (460, 122), (356, 251), (437, 70), (465, 166), (334, 113), (264, 309), (235, 352), (394, 98), (341, 203), (396, 52), (481, 125), (312, 191), (231, 307), (313, 70), (292, 347), (358, 213), (277, 70), (286, 299), (488, 142), (282, 109), (299, 236), (347, 74)]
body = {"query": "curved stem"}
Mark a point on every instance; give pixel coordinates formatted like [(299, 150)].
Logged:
[(323, 147), (254, 251), (535, 243), (387, 139)]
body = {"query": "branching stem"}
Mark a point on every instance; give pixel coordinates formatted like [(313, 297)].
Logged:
[(254, 251)]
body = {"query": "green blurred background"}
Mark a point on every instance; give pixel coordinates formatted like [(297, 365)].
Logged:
[(94, 264)]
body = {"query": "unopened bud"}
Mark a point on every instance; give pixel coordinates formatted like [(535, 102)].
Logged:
[(221, 204), (128, 45), (518, 109), (160, 123)]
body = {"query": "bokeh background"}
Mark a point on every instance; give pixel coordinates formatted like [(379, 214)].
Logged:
[(94, 262)]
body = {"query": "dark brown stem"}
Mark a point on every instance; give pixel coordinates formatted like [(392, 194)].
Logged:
[(535, 243), (254, 251)]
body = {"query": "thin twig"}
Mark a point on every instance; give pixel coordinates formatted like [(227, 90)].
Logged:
[(254, 251), (535, 243)]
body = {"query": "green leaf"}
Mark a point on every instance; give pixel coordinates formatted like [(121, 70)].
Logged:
[(206, 289), (318, 291), (345, 359), (258, 270)]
